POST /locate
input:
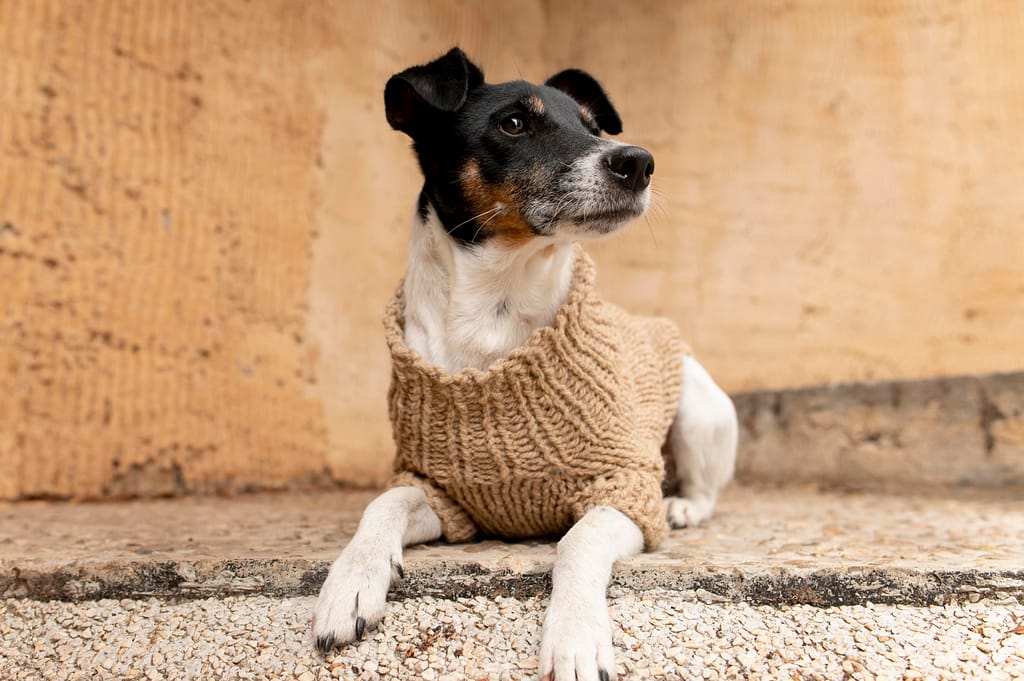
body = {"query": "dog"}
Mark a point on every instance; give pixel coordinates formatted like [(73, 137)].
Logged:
[(515, 174)]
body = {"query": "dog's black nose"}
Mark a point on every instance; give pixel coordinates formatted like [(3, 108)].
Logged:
[(632, 166)]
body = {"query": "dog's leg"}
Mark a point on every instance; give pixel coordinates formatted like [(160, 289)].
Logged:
[(702, 440), (352, 597), (577, 639)]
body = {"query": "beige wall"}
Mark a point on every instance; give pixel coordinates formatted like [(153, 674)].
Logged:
[(202, 211)]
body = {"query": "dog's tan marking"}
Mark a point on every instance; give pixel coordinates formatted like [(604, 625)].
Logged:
[(472, 183), (588, 116), (535, 104), (515, 234), (497, 205)]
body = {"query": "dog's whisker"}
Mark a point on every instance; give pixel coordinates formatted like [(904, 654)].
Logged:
[(563, 203), (475, 217), (567, 199), (650, 229), (477, 232)]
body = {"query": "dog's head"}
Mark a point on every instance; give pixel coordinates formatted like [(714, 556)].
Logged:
[(515, 161)]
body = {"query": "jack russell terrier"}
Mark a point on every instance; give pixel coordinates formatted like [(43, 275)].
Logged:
[(522, 404)]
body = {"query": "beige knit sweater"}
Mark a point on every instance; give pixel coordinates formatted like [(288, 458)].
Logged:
[(573, 419)]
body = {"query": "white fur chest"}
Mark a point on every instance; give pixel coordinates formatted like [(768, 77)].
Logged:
[(471, 307)]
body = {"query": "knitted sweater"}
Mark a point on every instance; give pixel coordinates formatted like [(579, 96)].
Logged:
[(573, 419)]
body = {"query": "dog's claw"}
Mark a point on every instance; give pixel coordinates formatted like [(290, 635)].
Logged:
[(360, 627), (325, 643), (602, 675), (399, 569)]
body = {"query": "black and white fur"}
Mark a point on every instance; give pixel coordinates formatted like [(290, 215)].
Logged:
[(515, 173)]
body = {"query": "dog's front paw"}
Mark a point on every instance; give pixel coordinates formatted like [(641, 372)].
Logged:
[(353, 595), (577, 641), (681, 512)]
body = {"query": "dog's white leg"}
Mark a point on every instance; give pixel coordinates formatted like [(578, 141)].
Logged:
[(702, 440), (352, 597), (577, 638)]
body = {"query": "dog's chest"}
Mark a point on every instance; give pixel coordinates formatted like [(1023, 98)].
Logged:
[(470, 333), (471, 310)]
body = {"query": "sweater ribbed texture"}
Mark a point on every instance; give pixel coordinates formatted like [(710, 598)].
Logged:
[(573, 419)]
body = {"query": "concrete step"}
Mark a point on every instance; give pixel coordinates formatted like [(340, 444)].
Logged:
[(783, 546), (887, 436)]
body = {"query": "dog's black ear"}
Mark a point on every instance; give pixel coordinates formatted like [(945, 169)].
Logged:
[(414, 96), (587, 92)]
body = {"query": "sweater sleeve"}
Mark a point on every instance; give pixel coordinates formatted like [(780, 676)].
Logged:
[(636, 494), (456, 525)]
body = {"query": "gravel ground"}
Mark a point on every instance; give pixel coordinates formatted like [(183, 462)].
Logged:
[(659, 635)]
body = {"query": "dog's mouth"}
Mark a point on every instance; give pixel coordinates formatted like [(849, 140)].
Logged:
[(599, 214), (623, 214), (605, 223)]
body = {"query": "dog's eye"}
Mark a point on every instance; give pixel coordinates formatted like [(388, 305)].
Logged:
[(513, 125)]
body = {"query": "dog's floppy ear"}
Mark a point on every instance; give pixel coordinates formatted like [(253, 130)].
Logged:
[(587, 92), (416, 95)]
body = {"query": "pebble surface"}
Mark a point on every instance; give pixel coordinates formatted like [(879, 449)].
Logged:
[(658, 635)]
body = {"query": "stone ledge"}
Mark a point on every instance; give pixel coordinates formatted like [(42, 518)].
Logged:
[(891, 436), (766, 546), (455, 579)]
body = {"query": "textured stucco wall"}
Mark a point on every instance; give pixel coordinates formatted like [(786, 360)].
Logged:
[(157, 217), (202, 211)]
